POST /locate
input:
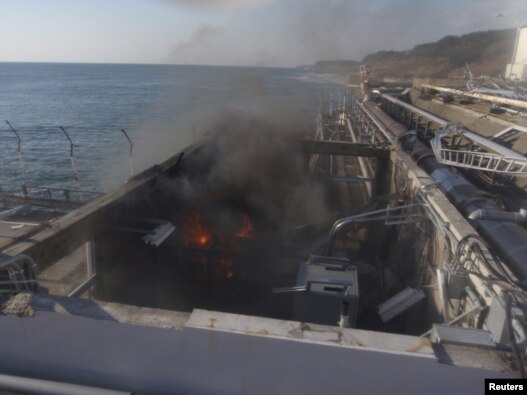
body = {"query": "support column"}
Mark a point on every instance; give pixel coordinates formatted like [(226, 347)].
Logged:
[(91, 269)]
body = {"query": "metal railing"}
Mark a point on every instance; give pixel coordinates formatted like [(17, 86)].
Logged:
[(47, 197), (17, 274), (477, 153), (55, 198), (398, 215)]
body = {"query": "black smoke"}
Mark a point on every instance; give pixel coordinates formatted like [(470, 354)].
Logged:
[(257, 163)]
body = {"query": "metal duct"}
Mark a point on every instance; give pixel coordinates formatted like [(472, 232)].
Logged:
[(395, 128), (499, 215), (508, 239)]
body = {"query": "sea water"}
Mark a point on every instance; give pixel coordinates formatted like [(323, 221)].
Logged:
[(163, 108)]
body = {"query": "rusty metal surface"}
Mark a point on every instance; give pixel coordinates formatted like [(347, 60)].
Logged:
[(306, 332)]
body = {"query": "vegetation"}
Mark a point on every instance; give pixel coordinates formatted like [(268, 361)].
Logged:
[(486, 52), (335, 66)]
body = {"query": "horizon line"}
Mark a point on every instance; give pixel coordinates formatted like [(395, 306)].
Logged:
[(141, 64)]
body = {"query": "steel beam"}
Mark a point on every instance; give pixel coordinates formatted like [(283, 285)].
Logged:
[(343, 148), (480, 96)]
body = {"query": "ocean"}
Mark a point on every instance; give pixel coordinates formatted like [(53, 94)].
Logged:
[(162, 108)]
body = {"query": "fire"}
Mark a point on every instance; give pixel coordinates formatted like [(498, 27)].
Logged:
[(247, 228), (196, 232), (201, 232), (225, 268)]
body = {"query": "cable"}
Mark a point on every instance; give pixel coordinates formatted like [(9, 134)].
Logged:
[(464, 243), (502, 274), (512, 337), (507, 277)]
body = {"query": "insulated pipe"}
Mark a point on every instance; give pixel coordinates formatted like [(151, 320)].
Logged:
[(508, 239), (394, 128), (499, 215)]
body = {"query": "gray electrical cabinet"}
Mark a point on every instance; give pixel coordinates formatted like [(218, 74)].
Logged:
[(331, 290)]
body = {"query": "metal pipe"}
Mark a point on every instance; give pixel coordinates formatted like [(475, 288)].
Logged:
[(382, 128), (21, 257), (394, 129), (509, 240), (29, 386), (13, 276), (25, 282), (346, 222), (90, 258), (440, 121), (82, 287), (441, 286), (499, 215), (91, 263), (12, 211), (344, 315), (73, 164), (17, 273), (481, 96), (362, 162), (19, 140), (130, 163), (20, 156)]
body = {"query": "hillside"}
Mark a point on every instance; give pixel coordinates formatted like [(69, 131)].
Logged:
[(487, 53), (335, 66)]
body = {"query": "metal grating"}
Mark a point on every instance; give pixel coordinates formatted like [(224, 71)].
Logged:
[(455, 146)]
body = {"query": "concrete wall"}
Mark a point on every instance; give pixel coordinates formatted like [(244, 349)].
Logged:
[(200, 361)]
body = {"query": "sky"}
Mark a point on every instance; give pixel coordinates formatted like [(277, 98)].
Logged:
[(283, 33)]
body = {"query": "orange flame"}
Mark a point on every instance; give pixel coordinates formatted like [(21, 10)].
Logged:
[(225, 268), (247, 228), (196, 233)]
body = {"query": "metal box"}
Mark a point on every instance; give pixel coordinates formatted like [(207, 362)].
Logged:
[(445, 334), (331, 290), (399, 303)]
